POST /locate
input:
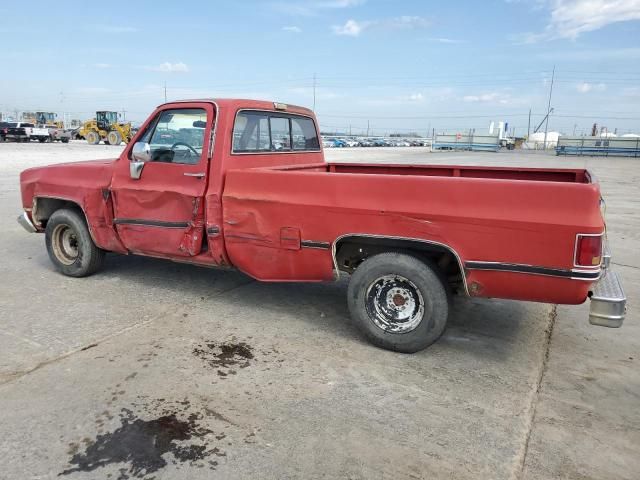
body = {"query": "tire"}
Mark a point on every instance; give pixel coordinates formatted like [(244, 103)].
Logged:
[(70, 246), (93, 138), (42, 140), (64, 140), (114, 138), (399, 302)]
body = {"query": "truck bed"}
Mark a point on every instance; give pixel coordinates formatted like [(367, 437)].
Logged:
[(490, 215), (502, 173)]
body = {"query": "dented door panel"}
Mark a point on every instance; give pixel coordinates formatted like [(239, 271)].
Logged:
[(162, 212)]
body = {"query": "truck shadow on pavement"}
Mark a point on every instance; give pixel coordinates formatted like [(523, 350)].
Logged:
[(481, 327)]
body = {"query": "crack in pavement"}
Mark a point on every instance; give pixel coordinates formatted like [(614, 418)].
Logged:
[(518, 468), (625, 265), (11, 377)]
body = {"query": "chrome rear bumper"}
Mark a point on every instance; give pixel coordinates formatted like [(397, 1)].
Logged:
[(608, 301), (26, 223)]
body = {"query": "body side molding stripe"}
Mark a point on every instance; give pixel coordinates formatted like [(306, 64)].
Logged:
[(534, 270), (149, 223), (315, 244)]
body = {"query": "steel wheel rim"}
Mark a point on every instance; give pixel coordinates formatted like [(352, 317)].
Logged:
[(394, 304), (65, 244)]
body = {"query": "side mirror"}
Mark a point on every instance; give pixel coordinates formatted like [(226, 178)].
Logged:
[(140, 154)]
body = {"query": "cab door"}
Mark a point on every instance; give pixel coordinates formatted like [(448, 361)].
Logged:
[(159, 204)]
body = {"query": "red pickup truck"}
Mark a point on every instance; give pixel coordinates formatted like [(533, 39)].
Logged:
[(243, 184)]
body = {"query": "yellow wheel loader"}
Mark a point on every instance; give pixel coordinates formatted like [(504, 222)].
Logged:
[(106, 127)]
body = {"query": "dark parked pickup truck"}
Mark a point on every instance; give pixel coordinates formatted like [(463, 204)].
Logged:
[(243, 184)]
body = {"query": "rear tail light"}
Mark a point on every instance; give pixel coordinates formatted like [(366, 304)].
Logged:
[(588, 250)]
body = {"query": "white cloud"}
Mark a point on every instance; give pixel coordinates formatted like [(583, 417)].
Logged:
[(351, 28), (354, 28), (292, 29), (491, 97), (585, 87), (338, 3), (407, 21), (312, 7), (170, 67), (416, 97), (102, 65), (571, 18)]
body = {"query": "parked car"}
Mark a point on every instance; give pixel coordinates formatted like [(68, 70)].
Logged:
[(4, 127), (25, 132), (57, 134), (533, 234)]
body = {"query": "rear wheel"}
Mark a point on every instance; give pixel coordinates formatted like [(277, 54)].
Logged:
[(93, 138), (70, 246), (64, 140), (114, 138), (399, 302)]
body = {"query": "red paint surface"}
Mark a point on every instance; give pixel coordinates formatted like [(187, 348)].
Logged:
[(264, 205)]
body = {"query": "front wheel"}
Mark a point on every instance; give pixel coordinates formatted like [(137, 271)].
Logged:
[(399, 302), (70, 246), (93, 138), (114, 138)]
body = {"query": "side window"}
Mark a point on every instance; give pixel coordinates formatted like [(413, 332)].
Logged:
[(280, 133), (251, 133), (256, 132), (304, 134), (177, 136)]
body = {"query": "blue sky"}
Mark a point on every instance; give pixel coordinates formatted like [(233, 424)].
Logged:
[(395, 65)]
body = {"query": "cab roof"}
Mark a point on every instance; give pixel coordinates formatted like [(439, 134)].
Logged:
[(242, 103)]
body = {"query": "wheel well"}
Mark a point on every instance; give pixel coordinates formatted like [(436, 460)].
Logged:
[(352, 251), (44, 207)]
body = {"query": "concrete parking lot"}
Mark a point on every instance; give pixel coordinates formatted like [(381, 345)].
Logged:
[(151, 369)]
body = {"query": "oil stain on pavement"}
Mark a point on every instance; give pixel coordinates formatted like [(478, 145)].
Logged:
[(225, 356), (141, 445)]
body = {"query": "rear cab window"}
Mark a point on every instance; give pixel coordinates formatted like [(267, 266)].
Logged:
[(264, 131)]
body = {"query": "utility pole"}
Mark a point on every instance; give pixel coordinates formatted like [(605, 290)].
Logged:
[(165, 91), (367, 128), (529, 124), (124, 115), (314, 92), (575, 125), (546, 125)]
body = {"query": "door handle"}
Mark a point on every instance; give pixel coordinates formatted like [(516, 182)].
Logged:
[(196, 175)]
